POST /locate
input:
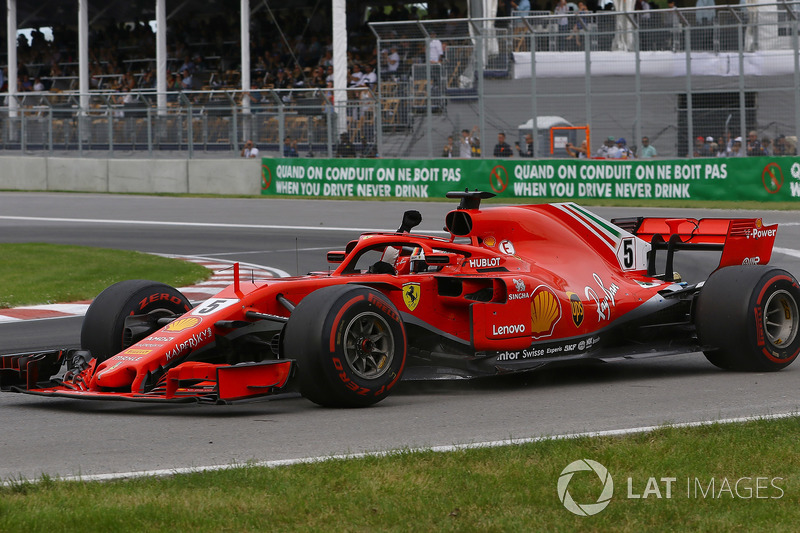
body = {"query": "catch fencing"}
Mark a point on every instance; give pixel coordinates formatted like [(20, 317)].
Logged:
[(296, 121), (672, 75), (691, 80)]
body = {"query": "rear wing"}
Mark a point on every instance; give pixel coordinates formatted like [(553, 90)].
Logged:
[(742, 241)]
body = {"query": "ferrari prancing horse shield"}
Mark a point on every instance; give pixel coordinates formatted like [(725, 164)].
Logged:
[(411, 295)]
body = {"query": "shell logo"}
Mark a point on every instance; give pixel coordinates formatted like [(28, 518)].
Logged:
[(183, 324), (545, 311)]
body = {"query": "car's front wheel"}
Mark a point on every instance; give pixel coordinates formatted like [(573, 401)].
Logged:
[(747, 318), (350, 345), (103, 327)]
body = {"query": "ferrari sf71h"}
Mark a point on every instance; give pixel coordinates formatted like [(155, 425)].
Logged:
[(510, 289)]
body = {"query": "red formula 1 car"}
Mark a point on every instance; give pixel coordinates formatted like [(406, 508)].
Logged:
[(511, 289)]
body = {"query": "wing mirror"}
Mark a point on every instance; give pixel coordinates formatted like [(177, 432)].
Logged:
[(336, 257), (438, 259)]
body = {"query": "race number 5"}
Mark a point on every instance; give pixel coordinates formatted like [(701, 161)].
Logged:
[(626, 253), (212, 306)]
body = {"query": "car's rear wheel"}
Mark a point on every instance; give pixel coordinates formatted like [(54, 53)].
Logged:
[(747, 318), (103, 326), (350, 345)]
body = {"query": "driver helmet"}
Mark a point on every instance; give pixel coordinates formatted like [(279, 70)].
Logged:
[(418, 260)]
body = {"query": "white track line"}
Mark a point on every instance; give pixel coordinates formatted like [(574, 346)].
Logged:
[(439, 449), (221, 254), (787, 251), (208, 224), (228, 265)]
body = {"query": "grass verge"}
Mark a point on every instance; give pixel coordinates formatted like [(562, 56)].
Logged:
[(733, 477), (38, 273)]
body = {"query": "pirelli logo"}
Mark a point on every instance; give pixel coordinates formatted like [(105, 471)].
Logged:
[(136, 351)]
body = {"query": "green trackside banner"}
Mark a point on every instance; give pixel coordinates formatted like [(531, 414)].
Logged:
[(736, 179)]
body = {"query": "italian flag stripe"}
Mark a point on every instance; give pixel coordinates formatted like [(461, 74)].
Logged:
[(613, 230), (592, 224)]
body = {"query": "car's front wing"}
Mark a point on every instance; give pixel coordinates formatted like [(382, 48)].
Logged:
[(35, 373)]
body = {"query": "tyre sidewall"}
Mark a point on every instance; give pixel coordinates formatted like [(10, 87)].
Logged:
[(104, 323), (313, 337), (776, 356), (336, 368), (729, 317)]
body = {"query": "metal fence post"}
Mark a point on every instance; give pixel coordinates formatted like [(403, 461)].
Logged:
[(481, 96), (428, 83), (23, 131), (110, 126), (149, 132), (534, 108), (50, 128), (235, 121), (637, 129), (587, 80), (379, 99), (742, 100), (189, 126), (795, 29), (329, 126), (379, 109), (689, 121), (81, 119), (281, 126), (178, 124)]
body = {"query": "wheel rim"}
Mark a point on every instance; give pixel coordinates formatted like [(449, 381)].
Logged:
[(781, 319), (369, 345)]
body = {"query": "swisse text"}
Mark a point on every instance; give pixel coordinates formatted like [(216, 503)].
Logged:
[(524, 354)]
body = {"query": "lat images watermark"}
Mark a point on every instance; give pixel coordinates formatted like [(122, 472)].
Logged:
[(585, 509), (660, 487)]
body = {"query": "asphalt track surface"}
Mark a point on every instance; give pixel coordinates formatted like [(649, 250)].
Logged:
[(71, 437)]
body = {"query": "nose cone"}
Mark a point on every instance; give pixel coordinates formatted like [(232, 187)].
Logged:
[(114, 375)]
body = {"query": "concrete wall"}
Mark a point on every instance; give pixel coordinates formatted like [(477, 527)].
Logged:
[(198, 176), (23, 173), (86, 175), (224, 176), (148, 175)]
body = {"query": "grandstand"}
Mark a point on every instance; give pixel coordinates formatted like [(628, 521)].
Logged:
[(671, 76)]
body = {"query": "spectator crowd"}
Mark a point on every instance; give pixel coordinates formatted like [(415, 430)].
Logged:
[(204, 52)]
